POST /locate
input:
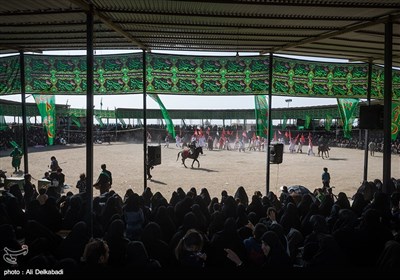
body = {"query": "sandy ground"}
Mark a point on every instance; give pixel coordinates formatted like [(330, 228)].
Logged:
[(219, 170)]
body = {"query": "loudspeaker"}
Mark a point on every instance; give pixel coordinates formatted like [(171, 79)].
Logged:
[(276, 153), (371, 117), (154, 155)]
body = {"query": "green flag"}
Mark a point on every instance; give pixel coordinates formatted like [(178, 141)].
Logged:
[(14, 144), (395, 119), (47, 109), (121, 120), (75, 120), (261, 110), (347, 107), (98, 118), (168, 121), (3, 124), (307, 122), (284, 123), (328, 122)]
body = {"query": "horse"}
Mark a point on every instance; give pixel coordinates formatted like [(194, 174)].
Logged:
[(186, 154), (323, 149)]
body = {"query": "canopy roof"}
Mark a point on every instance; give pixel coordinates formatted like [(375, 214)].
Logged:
[(352, 29)]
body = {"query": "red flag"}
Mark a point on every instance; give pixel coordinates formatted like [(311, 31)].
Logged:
[(275, 138), (279, 132), (290, 135), (302, 139), (254, 136), (223, 132), (195, 132), (208, 131), (286, 134), (244, 134)]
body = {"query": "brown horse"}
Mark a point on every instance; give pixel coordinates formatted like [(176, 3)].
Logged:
[(186, 154)]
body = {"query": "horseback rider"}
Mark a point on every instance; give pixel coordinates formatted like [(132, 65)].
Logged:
[(192, 146)]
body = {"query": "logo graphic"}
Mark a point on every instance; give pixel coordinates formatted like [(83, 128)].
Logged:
[(10, 255)]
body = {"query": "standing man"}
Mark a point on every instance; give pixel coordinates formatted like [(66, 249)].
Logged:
[(372, 147), (104, 181), (16, 155), (326, 179)]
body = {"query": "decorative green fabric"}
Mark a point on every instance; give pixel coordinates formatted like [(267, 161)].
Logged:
[(168, 121), (193, 75), (10, 80), (75, 120), (98, 118), (328, 122), (307, 122), (395, 119), (47, 108), (347, 107), (261, 111)]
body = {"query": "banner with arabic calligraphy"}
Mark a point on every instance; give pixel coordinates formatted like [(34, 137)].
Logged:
[(47, 109), (395, 119), (193, 75)]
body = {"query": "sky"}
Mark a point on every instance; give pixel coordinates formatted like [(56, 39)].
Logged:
[(182, 101)]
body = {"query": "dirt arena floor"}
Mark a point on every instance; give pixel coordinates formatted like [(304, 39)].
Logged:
[(219, 169)]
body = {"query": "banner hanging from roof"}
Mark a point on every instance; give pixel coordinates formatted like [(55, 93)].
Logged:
[(262, 117), (347, 107), (193, 75), (168, 121), (47, 108)]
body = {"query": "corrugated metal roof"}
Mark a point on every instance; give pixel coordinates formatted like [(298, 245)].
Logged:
[(351, 29)]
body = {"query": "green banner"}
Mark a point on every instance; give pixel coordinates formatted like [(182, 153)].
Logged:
[(121, 120), (328, 122), (193, 75), (10, 82), (75, 120), (284, 123), (347, 107), (168, 121), (261, 111), (98, 118), (3, 124), (395, 119), (307, 122), (47, 109)]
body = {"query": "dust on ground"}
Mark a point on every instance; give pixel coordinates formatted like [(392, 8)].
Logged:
[(219, 169)]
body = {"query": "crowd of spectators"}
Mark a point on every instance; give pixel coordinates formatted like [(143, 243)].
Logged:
[(191, 232)]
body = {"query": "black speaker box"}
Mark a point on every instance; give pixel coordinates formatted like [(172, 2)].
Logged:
[(371, 117), (154, 155), (276, 153)]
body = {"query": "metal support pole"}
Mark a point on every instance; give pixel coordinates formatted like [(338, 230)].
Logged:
[(89, 116), (267, 175), (144, 122), (387, 106), (23, 107), (366, 139)]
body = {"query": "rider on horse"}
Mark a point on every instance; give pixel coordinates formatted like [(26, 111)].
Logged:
[(192, 146)]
